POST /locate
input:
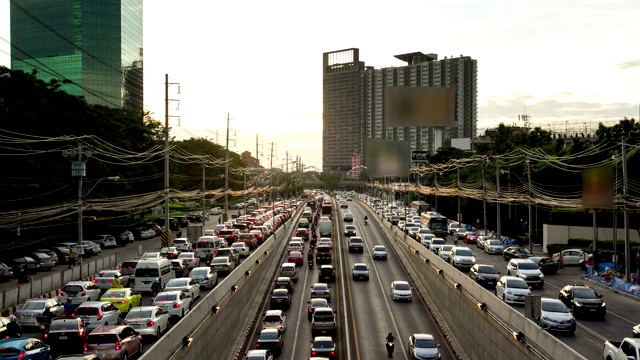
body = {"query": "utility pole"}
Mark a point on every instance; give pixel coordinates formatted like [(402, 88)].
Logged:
[(458, 191), (435, 185), (226, 174), (271, 174), (615, 215), (625, 214), (166, 235), (204, 193), (530, 217), (484, 198), (286, 159), (498, 229)]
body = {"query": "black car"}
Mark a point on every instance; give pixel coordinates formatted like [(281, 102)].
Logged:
[(547, 266), (180, 267), (182, 221), (270, 339), (18, 263), (485, 275), (516, 252), (349, 230), (583, 301), (327, 274), (323, 254), (71, 332), (194, 218), (284, 282), (280, 299)]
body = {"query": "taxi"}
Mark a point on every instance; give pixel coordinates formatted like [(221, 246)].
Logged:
[(123, 298)]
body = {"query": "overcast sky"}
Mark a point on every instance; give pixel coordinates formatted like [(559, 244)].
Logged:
[(567, 64)]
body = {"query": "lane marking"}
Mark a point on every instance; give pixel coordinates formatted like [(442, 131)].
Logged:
[(344, 261), (339, 236), (295, 338)]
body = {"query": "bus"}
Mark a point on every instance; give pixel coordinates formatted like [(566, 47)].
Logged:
[(420, 206), (435, 222)]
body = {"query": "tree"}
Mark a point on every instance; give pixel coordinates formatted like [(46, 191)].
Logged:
[(331, 180)]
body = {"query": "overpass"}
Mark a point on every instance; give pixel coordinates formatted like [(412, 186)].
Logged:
[(357, 185)]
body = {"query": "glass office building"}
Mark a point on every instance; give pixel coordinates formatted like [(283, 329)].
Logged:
[(96, 45)]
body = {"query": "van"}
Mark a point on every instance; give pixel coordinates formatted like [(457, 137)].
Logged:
[(149, 270), (206, 243), (289, 270)]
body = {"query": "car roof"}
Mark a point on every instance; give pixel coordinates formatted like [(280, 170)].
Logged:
[(423, 336), (172, 292), (326, 266), (550, 300), (80, 282), (513, 278), (108, 329), (93, 303), (270, 330), (274, 312), (401, 282), (145, 308), (323, 338), (37, 300), (517, 261), (14, 342)]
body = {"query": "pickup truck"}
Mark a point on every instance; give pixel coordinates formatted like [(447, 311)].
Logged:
[(621, 350)]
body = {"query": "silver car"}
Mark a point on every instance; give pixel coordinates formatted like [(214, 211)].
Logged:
[(148, 320), (190, 258), (207, 278), (176, 303), (321, 290), (80, 291), (556, 316), (104, 280), (98, 313), (360, 271), (444, 252), (27, 313), (185, 284), (379, 252), (423, 346), (493, 246)]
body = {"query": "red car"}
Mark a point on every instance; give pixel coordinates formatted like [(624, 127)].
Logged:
[(296, 258), (470, 237)]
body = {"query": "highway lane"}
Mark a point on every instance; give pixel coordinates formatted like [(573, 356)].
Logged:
[(590, 334)]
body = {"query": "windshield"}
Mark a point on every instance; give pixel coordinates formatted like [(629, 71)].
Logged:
[(494, 242), (402, 286), (554, 306), (517, 284), (323, 344), (280, 293), (141, 273), (269, 335), (425, 343), (356, 240), (165, 297), (34, 305), (527, 266), (464, 252), (437, 242), (72, 289), (87, 310), (64, 325), (271, 318), (206, 245), (177, 283), (584, 293), (446, 248), (114, 294), (360, 267), (379, 248), (319, 287), (198, 272), (102, 339), (318, 303), (323, 249), (487, 270), (135, 314), (220, 261)]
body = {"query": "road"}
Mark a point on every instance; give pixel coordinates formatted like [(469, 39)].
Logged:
[(365, 310)]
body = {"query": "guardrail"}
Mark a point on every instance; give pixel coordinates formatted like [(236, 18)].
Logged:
[(49, 285)]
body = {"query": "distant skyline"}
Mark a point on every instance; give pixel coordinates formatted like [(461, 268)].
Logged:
[(566, 65)]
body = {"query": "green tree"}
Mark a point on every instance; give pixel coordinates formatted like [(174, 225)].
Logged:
[(331, 180)]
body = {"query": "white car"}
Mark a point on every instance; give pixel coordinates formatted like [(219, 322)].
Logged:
[(148, 320), (98, 313), (527, 270), (94, 246), (104, 280), (462, 257), (321, 290), (190, 258), (152, 256), (275, 319), (512, 290), (401, 291), (204, 276), (482, 239), (445, 251), (426, 239), (436, 243), (571, 256), (241, 248), (185, 284), (493, 246), (215, 211), (379, 252), (80, 291), (295, 246), (106, 241), (258, 355), (325, 242), (176, 303), (182, 244)]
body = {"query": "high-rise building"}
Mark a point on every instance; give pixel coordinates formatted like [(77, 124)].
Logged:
[(355, 95), (95, 47)]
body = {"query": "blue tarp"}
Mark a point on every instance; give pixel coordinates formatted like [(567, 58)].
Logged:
[(614, 282)]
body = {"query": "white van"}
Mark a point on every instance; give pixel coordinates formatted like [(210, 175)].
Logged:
[(206, 243), (149, 270)]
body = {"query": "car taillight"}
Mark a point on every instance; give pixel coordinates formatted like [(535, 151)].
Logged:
[(123, 302), (110, 281), (46, 336), (117, 345), (207, 278), (151, 323), (257, 345), (81, 332), (94, 281), (332, 353), (176, 306), (100, 316), (185, 290), (61, 293), (83, 293), (314, 353), (192, 260), (120, 268)]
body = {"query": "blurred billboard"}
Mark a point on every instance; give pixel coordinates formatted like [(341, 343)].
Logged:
[(597, 188), (387, 158), (420, 106)]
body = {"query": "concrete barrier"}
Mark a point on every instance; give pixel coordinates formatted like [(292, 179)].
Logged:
[(493, 327)]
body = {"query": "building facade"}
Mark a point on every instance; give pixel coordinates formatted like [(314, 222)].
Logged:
[(360, 100), (95, 47)]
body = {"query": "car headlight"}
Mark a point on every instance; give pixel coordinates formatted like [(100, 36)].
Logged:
[(603, 305), (456, 259), (578, 304), (541, 276), (508, 292), (522, 276)]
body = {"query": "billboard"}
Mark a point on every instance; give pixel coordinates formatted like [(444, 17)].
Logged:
[(387, 158), (461, 143), (420, 106)]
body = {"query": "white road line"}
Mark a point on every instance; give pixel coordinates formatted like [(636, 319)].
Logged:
[(295, 338), (344, 290)]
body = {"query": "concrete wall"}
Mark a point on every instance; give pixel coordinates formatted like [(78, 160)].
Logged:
[(560, 234), (481, 334)]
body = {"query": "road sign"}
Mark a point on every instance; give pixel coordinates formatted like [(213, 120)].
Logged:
[(419, 156)]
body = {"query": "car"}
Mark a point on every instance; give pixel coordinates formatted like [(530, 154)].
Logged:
[(296, 258), (187, 285), (401, 291), (80, 291), (512, 290), (124, 299), (444, 251), (379, 252), (482, 240), (248, 239), (527, 270), (175, 303), (104, 280), (284, 282), (583, 301), (170, 252), (356, 244), (360, 271), (302, 233), (280, 299), (324, 347), (180, 267), (98, 313), (95, 247), (461, 257), (215, 211), (423, 346), (270, 339), (204, 277), (323, 254), (316, 303), (19, 262), (105, 241), (324, 241), (152, 255), (344, 205), (547, 265), (275, 319), (349, 230), (327, 273), (231, 253), (470, 237), (436, 243), (426, 239), (571, 256), (323, 322), (190, 258), (493, 246), (413, 231), (321, 290), (28, 312), (295, 245), (114, 342), (58, 260), (241, 248), (128, 267), (258, 355), (24, 349), (6, 272), (485, 275), (223, 265), (46, 262), (516, 252), (148, 320), (555, 316), (182, 244), (347, 217), (71, 332)]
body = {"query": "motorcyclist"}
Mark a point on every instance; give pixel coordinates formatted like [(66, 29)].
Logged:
[(366, 219), (69, 307), (310, 255), (390, 337), (155, 287), (13, 328), (209, 257)]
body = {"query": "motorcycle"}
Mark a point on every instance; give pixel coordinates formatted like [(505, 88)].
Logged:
[(366, 221), (310, 263), (390, 347)]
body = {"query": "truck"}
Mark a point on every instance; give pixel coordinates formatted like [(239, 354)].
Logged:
[(621, 350), (325, 228)]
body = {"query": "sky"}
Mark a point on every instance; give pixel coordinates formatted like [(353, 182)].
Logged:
[(566, 64)]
